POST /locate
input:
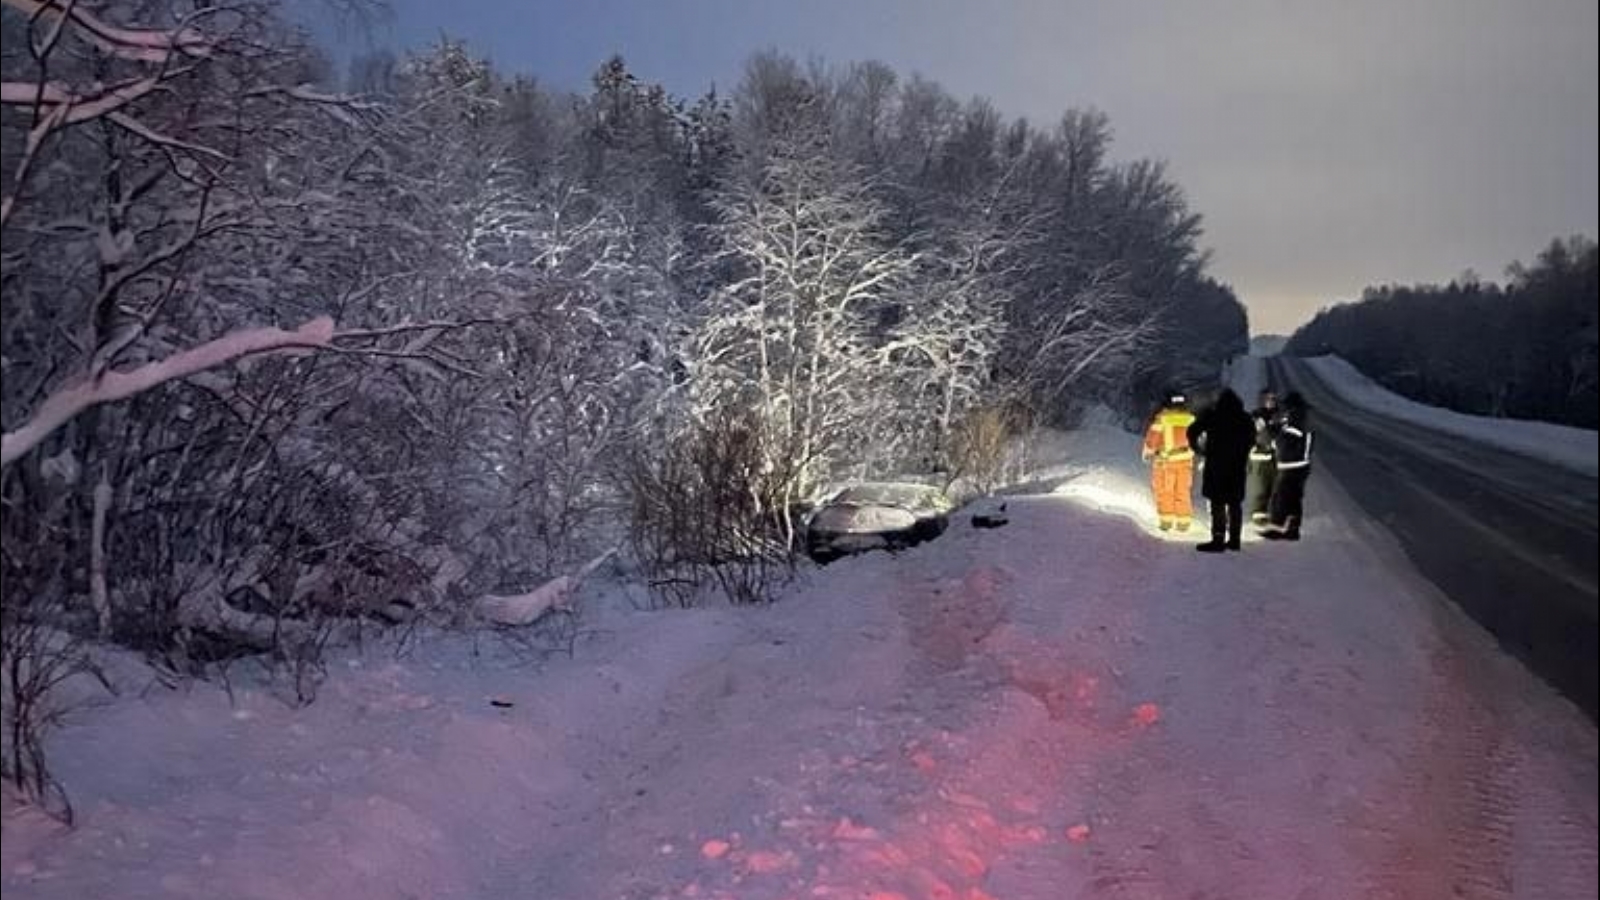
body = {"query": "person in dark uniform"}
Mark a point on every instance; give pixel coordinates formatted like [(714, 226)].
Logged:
[(1258, 496), (1224, 434), (1291, 452)]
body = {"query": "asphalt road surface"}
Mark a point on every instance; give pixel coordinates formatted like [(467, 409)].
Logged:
[(1510, 539)]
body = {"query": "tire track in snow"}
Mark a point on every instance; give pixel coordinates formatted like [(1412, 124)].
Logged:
[(1176, 818), (1026, 715), (1459, 784), (1565, 862), (1267, 773), (1489, 820), (1064, 651), (1468, 811), (948, 618)]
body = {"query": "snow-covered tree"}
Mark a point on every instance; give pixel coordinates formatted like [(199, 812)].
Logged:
[(796, 334)]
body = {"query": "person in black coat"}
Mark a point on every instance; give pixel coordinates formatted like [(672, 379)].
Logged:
[(1224, 435)]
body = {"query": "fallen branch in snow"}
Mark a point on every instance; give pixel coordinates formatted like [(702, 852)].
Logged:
[(205, 609), (60, 407), (203, 606), (525, 609)]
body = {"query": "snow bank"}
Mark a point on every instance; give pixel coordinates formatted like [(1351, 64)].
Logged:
[(1573, 448), (1029, 713)]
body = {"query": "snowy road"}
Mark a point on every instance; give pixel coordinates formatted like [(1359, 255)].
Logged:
[(1067, 707), (1510, 539)]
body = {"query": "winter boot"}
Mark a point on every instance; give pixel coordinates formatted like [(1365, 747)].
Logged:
[(1216, 545), (1289, 532)]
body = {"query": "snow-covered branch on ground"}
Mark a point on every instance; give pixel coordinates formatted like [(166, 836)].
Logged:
[(525, 609)]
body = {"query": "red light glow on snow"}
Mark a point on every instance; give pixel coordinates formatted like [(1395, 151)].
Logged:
[(969, 818)]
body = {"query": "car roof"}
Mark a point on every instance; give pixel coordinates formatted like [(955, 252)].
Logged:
[(892, 492)]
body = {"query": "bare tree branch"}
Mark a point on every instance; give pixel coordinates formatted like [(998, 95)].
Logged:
[(139, 44)]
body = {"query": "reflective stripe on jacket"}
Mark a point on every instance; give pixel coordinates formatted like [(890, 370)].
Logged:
[(1293, 447), (1168, 434)]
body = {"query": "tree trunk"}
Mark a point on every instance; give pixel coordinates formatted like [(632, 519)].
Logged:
[(99, 597)]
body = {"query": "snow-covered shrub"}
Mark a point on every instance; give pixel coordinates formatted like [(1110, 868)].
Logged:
[(980, 443), (708, 511)]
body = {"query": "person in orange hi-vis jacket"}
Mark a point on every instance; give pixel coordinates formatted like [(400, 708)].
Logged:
[(1166, 448)]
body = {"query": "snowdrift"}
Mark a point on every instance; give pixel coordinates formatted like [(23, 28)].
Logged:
[(1572, 448)]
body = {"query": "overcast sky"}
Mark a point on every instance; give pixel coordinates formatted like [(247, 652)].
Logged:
[(1330, 144)]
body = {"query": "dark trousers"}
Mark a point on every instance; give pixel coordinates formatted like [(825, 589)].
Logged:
[(1289, 497), (1262, 474), (1227, 520)]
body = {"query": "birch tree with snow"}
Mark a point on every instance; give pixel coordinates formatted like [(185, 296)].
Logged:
[(796, 335)]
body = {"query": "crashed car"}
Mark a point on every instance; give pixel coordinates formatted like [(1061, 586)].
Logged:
[(876, 516)]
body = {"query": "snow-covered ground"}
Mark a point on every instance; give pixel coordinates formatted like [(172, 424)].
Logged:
[(1069, 706), (1574, 448)]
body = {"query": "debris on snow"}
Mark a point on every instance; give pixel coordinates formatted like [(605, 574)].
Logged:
[(1146, 714), (846, 830), (768, 862), (990, 518)]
